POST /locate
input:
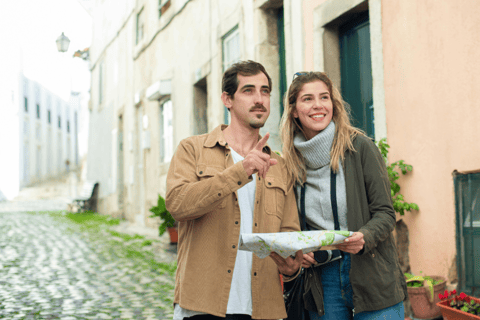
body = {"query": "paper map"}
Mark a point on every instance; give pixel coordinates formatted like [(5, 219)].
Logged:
[(287, 243)]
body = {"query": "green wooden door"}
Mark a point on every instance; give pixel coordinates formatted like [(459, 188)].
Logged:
[(356, 72), (281, 56), (467, 207)]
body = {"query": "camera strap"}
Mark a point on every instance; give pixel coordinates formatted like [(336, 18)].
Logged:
[(333, 200), (323, 257)]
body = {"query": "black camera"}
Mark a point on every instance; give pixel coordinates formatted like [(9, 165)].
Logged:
[(326, 256)]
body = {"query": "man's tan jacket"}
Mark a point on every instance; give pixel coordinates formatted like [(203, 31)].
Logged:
[(202, 186)]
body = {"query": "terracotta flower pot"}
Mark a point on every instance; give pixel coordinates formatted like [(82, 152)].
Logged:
[(173, 234), (419, 298), (449, 313)]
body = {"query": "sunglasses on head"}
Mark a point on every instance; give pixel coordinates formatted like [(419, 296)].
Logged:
[(298, 74)]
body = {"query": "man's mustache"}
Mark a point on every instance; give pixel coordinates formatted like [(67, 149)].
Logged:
[(258, 107)]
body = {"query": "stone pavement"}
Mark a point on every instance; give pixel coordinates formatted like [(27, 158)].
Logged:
[(51, 268)]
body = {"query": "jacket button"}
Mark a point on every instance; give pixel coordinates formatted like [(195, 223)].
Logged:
[(239, 182), (229, 271), (201, 172), (233, 246), (255, 274), (269, 183), (236, 222), (219, 194)]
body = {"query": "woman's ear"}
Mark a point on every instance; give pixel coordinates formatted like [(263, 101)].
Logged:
[(295, 113)]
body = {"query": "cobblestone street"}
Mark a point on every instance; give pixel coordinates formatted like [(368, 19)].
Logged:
[(52, 267)]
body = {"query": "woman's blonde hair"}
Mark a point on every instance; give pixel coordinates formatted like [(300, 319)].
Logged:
[(344, 131)]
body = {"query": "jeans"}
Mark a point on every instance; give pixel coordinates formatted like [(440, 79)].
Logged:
[(338, 295)]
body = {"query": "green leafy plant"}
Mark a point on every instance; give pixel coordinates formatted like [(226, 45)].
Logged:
[(160, 210), (421, 281), (399, 203)]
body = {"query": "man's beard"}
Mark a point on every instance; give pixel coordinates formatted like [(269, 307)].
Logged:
[(254, 124)]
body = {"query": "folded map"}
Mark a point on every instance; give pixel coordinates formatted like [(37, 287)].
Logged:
[(287, 243)]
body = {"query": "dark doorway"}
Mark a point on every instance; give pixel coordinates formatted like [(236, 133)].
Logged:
[(200, 120)]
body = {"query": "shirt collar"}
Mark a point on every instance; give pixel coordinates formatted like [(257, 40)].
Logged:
[(216, 137)]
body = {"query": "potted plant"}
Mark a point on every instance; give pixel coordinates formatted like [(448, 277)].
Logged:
[(423, 292), (169, 223), (459, 307)]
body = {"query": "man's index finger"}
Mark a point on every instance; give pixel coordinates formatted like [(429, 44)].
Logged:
[(261, 143)]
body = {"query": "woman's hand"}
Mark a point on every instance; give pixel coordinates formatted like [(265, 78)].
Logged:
[(308, 260), (352, 244)]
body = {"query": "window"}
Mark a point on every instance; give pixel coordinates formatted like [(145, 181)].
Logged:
[(163, 6), (166, 131), (101, 68), (140, 25), (467, 207), (59, 122), (49, 116), (38, 111), (26, 104), (231, 48)]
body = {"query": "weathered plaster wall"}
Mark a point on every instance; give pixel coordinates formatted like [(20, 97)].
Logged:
[(431, 93), (308, 25)]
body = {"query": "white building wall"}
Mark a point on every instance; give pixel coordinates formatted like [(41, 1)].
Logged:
[(181, 47), (43, 145)]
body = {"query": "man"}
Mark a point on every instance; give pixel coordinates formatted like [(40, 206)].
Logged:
[(220, 185)]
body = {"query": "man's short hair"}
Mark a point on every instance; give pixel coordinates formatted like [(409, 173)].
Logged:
[(244, 68)]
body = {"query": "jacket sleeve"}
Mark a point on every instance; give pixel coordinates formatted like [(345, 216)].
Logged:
[(189, 197), (377, 186)]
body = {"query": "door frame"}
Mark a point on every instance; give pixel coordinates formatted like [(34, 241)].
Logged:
[(327, 18)]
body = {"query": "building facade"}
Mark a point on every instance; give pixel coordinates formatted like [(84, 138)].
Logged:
[(42, 131), (156, 79), (397, 63)]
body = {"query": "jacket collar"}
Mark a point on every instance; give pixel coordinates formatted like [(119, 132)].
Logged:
[(216, 137)]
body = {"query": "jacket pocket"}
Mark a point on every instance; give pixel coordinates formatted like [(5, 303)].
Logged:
[(275, 193), (205, 172), (386, 251)]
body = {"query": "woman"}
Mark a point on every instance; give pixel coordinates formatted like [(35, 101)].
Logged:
[(324, 153)]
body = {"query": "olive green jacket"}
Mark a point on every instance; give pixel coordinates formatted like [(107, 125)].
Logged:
[(375, 273)]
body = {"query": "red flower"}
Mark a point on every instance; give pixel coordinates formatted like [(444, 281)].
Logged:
[(445, 294), (454, 292), (440, 296), (462, 296)]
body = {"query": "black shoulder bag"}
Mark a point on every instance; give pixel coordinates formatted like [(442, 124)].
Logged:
[(293, 290)]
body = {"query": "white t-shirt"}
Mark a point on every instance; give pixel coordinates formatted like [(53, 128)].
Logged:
[(240, 298)]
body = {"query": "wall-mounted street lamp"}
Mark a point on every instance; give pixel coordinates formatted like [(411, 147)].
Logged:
[(62, 43)]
